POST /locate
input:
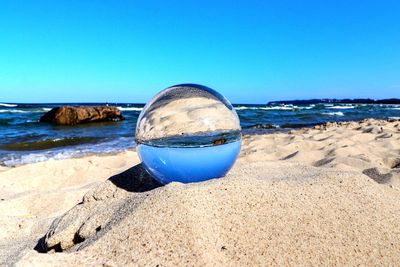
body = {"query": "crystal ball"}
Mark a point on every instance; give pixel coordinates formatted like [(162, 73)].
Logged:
[(188, 133)]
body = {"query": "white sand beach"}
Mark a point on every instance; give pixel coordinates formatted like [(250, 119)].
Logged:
[(327, 195)]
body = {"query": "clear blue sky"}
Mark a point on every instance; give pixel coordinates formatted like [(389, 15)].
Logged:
[(250, 51)]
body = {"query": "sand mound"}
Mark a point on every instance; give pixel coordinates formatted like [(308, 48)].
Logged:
[(276, 213), (33, 195), (371, 147)]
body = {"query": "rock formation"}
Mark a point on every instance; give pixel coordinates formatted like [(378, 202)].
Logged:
[(69, 115)]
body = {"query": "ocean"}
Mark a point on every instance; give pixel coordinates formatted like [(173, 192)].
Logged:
[(23, 139)]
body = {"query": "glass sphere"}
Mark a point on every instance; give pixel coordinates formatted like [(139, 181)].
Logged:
[(188, 133)]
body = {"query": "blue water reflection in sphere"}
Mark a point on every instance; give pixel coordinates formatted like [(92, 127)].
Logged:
[(188, 133)]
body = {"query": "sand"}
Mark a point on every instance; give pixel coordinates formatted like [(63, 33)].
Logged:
[(329, 195), (371, 147), (187, 115), (32, 196)]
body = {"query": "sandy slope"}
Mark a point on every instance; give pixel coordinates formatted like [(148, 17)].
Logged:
[(32, 196), (328, 195), (371, 147)]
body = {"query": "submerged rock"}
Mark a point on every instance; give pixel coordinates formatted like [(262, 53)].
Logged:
[(69, 115)]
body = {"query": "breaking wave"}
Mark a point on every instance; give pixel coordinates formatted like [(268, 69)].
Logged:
[(8, 105), (130, 109), (339, 113)]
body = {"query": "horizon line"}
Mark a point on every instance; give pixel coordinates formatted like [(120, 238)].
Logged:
[(267, 102)]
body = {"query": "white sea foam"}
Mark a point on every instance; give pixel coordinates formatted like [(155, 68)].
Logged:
[(244, 108), (309, 107), (341, 107), (339, 113), (394, 118), (12, 111), (249, 108), (116, 145), (30, 121), (288, 107), (24, 111), (279, 108), (8, 105), (37, 157), (130, 109)]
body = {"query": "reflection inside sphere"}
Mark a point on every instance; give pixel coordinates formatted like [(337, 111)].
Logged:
[(188, 133)]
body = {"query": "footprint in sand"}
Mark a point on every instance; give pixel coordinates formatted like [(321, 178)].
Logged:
[(372, 129), (383, 136), (290, 155), (323, 162), (322, 137), (376, 175)]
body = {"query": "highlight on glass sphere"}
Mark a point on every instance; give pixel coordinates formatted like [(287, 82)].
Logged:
[(188, 133)]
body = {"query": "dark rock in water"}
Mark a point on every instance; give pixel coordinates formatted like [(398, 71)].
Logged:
[(219, 141), (69, 115)]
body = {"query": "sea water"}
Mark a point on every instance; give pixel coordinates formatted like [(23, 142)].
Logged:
[(189, 159)]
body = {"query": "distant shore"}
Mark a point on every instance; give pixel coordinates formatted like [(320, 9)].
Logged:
[(386, 101)]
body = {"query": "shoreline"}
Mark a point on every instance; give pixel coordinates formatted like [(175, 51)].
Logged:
[(260, 130), (77, 156)]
